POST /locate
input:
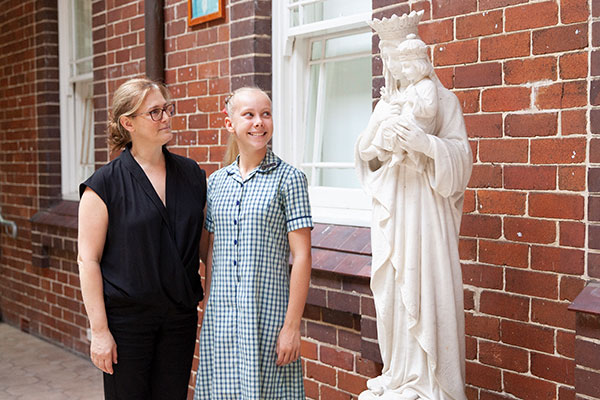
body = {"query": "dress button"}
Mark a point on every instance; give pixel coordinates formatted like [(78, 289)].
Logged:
[(237, 203), (235, 221), (234, 262), (235, 242)]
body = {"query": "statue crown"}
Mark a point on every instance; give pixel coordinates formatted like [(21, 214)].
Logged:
[(395, 27)]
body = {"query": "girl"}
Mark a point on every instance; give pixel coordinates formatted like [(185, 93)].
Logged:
[(257, 212)]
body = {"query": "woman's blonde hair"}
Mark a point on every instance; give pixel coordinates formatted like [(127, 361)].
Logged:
[(232, 150), (126, 100)]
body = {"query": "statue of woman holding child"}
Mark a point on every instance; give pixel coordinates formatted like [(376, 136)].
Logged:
[(415, 161)]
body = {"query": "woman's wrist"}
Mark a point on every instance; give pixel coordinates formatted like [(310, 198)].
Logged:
[(99, 328)]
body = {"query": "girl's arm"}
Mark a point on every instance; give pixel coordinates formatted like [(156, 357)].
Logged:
[(93, 225), (288, 342)]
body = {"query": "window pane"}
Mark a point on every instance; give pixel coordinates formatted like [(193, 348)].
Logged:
[(342, 8), (308, 173), (347, 107), (338, 108), (84, 134), (345, 45), (294, 17), (313, 13), (326, 9), (338, 177), (311, 114), (76, 104), (316, 50), (83, 67), (82, 36)]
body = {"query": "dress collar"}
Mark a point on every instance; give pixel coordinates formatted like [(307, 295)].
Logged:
[(269, 163)]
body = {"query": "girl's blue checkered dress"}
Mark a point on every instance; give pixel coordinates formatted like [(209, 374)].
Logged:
[(250, 282)]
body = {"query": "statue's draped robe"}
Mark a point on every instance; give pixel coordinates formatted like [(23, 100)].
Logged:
[(416, 275)]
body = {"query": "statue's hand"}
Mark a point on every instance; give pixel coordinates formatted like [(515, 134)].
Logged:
[(390, 128), (386, 128), (396, 105), (411, 136), (383, 92)]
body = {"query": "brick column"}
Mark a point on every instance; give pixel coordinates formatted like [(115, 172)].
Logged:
[(47, 99), (250, 51), (99, 40)]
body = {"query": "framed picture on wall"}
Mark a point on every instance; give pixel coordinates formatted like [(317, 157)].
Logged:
[(205, 10)]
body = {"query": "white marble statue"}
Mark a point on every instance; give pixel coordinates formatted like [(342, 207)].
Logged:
[(417, 103), (414, 160)]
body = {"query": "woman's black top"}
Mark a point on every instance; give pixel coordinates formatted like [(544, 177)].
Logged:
[(151, 254)]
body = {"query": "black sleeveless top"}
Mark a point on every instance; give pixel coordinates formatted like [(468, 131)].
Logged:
[(151, 254)]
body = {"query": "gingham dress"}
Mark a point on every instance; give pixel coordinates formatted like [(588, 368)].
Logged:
[(249, 291)]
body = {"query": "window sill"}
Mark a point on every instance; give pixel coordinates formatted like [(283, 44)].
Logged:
[(63, 214), (53, 229), (339, 286), (588, 301), (344, 250)]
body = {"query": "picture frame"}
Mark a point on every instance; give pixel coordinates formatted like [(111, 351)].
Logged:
[(200, 11)]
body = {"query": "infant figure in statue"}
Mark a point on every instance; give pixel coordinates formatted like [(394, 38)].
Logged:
[(417, 103)]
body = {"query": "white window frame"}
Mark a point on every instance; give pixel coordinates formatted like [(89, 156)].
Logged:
[(76, 111), (290, 86)]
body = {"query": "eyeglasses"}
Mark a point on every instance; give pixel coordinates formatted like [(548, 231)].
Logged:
[(157, 113)]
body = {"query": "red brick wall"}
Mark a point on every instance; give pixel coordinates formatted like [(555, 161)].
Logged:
[(38, 278), (525, 72), (339, 345), (593, 181)]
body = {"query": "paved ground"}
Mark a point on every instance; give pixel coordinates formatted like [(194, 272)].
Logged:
[(31, 369)]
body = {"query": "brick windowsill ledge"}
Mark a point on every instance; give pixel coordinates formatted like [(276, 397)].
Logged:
[(63, 214), (340, 311), (344, 250), (587, 341), (53, 229)]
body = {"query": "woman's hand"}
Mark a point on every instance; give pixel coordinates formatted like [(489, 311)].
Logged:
[(288, 346), (103, 350)]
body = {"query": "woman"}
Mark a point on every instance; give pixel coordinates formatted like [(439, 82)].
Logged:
[(416, 274), (257, 213), (140, 221)]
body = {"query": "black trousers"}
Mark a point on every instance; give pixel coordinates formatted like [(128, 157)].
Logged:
[(155, 350)]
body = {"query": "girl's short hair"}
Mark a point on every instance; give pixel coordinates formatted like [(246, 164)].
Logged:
[(126, 101)]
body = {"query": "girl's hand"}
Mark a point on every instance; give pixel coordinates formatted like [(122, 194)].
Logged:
[(288, 346), (103, 350)]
